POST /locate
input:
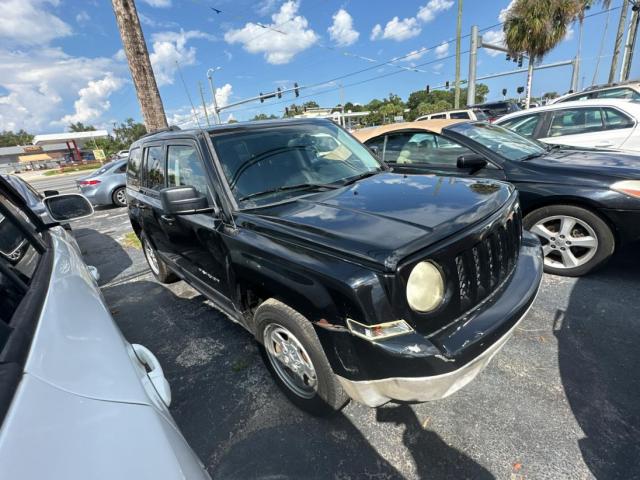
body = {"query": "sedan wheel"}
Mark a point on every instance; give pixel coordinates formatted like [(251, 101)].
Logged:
[(574, 240), (567, 242), (120, 197)]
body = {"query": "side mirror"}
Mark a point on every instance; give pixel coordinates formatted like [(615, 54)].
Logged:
[(472, 162), (68, 206), (51, 193), (183, 201)]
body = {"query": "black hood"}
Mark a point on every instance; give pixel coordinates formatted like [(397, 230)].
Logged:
[(384, 218), (608, 163)]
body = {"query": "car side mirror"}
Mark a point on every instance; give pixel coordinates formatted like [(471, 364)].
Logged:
[(68, 206), (51, 193), (183, 201), (472, 162)]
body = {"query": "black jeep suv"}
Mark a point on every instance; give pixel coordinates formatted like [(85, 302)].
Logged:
[(356, 281)]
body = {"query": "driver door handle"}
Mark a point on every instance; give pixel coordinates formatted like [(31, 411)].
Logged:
[(168, 219)]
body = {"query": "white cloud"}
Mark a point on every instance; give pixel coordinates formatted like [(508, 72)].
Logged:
[(495, 37), (503, 13), (83, 17), (169, 48), (414, 55), (442, 50), (428, 12), (26, 22), (265, 7), (278, 48), (153, 23), (397, 29), (158, 3), (184, 116), (93, 100), (342, 31), (569, 35), (41, 82)]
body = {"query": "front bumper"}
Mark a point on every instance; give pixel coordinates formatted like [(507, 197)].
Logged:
[(435, 367)]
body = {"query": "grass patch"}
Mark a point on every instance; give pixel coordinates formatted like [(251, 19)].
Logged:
[(132, 241), (79, 168)]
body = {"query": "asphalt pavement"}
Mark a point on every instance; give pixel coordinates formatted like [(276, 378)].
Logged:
[(559, 401)]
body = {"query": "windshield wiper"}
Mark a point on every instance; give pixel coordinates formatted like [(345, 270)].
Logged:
[(284, 188), (350, 180), (533, 155)]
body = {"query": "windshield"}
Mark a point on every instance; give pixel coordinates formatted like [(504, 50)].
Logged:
[(504, 142), (275, 162)]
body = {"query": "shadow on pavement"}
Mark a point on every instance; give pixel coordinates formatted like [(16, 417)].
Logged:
[(599, 357), (103, 252)]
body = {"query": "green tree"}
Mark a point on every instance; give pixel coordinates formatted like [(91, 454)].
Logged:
[(264, 116), (122, 137), (535, 27), (81, 127), (11, 139)]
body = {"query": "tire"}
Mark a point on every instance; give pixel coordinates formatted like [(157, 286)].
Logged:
[(119, 197), (156, 265), (561, 228), (321, 397)]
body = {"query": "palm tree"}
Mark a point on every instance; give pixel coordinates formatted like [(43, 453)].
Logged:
[(138, 57), (535, 27)]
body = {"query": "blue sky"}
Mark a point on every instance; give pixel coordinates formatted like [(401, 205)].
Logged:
[(61, 60)]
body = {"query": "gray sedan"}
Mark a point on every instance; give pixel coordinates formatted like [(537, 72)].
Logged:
[(77, 400), (107, 185)]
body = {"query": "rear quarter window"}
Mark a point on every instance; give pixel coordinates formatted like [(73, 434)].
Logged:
[(133, 167)]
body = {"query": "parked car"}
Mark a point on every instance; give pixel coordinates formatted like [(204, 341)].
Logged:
[(356, 281), (122, 153), (626, 90), (495, 110), (582, 204), (466, 114), (72, 388), (107, 185), (609, 124)]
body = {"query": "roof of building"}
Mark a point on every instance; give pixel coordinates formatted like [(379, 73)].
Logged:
[(434, 126), (68, 136), (20, 149)]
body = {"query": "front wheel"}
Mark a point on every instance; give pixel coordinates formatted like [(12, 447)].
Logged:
[(119, 197), (574, 240), (292, 353), (156, 265)]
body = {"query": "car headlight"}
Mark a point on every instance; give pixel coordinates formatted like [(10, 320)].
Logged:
[(425, 288), (630, 187)]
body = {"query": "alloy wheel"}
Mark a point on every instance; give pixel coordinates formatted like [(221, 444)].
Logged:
[(121, 196), (567, 242), (152, 260), (290, 360)]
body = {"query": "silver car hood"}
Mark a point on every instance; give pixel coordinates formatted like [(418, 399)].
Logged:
[(77, 347)]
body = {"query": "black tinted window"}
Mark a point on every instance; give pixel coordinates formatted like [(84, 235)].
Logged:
[(121, 169), (618, 93), (184, 168), (425, 148), (615, 119), (459, 115), (154, 166), (133, 167)]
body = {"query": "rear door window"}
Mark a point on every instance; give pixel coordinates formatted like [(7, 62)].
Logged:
[(459, 115), (438, 116), (618, 93), (153, 168), (575, 121), (133, 167), (615, 119)]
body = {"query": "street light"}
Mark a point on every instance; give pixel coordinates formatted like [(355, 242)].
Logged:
[(210, 73)]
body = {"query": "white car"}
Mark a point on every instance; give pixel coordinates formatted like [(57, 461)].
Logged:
[(620, 91), (77, 400), (607, 124), (466, 114)]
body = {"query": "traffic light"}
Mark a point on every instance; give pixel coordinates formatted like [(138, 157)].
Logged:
[(446, 84), (286, 111), (508, 57), (261, 98), (428, 89), (504, 92), (520, 61), (295, 89), (279, 92), (520, 90)]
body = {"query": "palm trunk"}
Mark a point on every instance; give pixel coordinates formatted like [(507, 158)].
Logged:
[(529, 82), (138, 57)]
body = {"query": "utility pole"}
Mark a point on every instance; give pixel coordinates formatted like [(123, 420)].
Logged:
[(204, 104), (216, 111), (618, 41), (627, 57), (456, 102), (473, 60), (139, 64)]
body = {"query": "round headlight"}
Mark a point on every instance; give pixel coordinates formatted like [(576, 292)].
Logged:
[(425, 288)]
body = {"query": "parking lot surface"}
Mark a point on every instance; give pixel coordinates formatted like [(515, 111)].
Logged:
[(559, 401)]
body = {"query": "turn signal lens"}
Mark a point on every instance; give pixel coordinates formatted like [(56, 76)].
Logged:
[(425, 288), (379, 331), (630, 187)]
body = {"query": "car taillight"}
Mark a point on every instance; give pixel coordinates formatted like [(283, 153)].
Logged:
[(86, 183)]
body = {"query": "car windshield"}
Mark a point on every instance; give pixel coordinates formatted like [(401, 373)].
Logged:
[(272, 163), (504, 142)]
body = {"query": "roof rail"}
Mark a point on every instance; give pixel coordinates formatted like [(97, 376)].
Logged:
[(172, 128)]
